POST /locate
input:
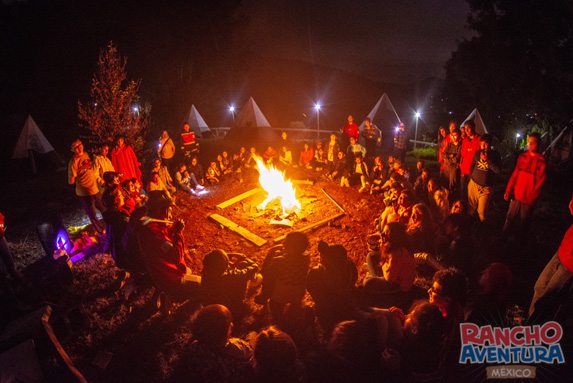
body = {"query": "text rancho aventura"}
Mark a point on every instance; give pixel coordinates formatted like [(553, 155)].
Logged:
[(519, 344)]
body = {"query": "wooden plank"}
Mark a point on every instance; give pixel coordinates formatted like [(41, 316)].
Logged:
[(302, 182), (314, 225), (231, 201), (238, 229), (333, 201)]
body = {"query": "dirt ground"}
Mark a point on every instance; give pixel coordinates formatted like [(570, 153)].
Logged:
[(141, 345)]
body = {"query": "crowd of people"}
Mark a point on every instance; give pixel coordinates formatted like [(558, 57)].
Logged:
[(386, 326)]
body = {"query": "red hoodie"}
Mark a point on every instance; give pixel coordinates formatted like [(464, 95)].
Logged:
[(527, 178), (566, 250)]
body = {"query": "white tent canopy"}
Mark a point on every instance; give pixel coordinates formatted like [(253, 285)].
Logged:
[(251, 123), (476, 118), (376, 113), (196, 122), (31, 139)]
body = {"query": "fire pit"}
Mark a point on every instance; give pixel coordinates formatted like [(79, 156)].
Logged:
[(279, 206)]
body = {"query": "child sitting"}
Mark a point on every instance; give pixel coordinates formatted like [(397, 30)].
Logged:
[(213, 173)]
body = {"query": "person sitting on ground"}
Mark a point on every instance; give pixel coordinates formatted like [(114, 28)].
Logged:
[(399, 211), (421, 231), (220, 165), (306, 156), (491, 299), (332, 150), (226, 163), (250, 161), (156, 184), (353, 149), (421, 186), (139, 191), (241, 158), (319, 162), (438, 199), (196, 169), (275, 358), (338, 168), (224, 279), (359, 174), (400, 169), (285, 158), (270, 156), (456, 247), (390, 165), (163, 249), (377, 176), (423, 346), (284, 272), (183, 180), (129, 202), (449, 292), (331, 285), (164, 175), (213, 174), (215, 356), (392, 269)]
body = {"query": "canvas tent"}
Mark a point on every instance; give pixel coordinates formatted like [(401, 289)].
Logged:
[(559, 152), (251, 124), (197, 123), (384, 116), (31, 141), (476, 118)]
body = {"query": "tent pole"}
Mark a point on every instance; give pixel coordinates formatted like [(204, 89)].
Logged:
[(32, 161)]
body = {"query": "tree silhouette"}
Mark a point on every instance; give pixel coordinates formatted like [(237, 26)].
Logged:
[(114, 106)]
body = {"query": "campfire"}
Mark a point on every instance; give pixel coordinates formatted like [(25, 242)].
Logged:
[(278, 189)]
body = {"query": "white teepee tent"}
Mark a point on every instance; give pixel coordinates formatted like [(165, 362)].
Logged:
[(196, 122), (31, 140), (251, 124), (384, 116), (476, 118)]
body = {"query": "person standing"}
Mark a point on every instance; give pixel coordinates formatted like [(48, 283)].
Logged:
[(485, 165), (349, 130), (166, 150), (102, 164), (81, 173), (400, 143), (124, 160), (189, 147), (372, 136), (451, 156), (525, 183), (470, 145)]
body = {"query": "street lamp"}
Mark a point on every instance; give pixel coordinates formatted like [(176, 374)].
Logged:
[(317, 108), (232, 110), (416, 134)]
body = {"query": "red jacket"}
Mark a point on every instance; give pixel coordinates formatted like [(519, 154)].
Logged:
[(469, 149), (566, 250), (527, 178), (164, 255), (351, 130)]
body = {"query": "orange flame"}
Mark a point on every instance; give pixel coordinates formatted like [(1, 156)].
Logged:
[(274, 183)]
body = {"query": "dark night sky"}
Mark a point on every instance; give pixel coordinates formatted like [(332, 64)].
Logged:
[(391, 40)]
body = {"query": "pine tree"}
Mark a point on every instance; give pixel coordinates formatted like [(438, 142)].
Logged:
[(113, 109)]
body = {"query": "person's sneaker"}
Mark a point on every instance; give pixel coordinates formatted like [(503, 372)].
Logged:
[(362, 189), (200, 187)]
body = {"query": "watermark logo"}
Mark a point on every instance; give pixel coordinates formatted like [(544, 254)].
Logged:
[(511, 346)]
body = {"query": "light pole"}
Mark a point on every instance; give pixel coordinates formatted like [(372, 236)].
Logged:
[(416, 134), (232, 110), (317, 108)]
